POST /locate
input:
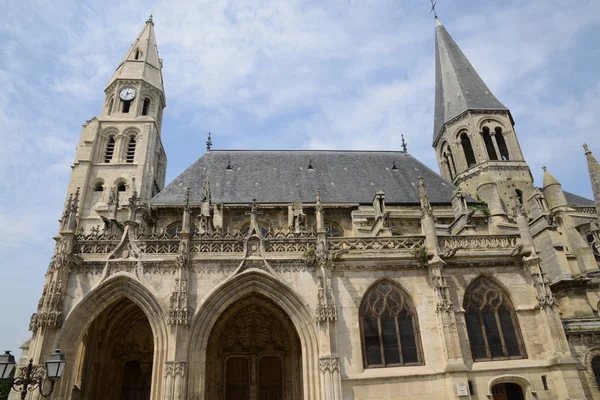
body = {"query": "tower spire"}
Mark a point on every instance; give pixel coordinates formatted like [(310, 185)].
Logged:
[(458, 87), (141, 60), (594, 171)]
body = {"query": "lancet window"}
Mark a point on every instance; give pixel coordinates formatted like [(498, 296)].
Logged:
[(449, 161), (110, 149), (501, 144), (146, 106), (489, 143), (492, 323), (131, 149), (467, 149), (389, 327)]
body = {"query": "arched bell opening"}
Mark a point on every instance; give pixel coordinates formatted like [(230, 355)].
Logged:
[(116, 355), (253, 352)]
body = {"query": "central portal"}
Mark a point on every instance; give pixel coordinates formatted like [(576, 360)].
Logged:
[(254, 354)]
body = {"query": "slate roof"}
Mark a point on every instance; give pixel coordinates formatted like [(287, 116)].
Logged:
[(578, 200), (458, 87), (282, 176)]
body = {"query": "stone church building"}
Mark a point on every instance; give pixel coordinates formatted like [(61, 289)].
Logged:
[(320, 275)]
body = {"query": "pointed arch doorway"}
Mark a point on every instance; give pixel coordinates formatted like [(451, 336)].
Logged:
[(116, 355), (254, 353)]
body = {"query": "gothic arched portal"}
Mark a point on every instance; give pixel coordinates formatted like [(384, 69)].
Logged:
[(254, 353), (116, 355)]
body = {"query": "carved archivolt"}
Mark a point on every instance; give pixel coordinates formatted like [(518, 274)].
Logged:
[(253, 328)]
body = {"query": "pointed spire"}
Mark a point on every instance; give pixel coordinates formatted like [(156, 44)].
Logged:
[(594, 171), (458, 87), (549, 180), (145, 52), (425, 204)]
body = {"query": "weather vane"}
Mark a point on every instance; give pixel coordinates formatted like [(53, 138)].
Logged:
[(433, 3), (404, 145)]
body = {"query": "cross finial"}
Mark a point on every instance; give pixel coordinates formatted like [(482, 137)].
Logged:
[(208, 143), (150, 18), (404, 145), (544, 168), (433, 3)]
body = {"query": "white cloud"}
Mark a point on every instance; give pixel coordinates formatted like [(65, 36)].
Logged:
[(291, 74)]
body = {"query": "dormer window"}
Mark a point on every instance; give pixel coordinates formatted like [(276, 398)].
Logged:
[(138, 54), (110, 149), (146, 106), (131, 149)]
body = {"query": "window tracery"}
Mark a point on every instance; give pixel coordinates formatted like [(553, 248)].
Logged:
[(389, 327), (333, 230), (492, 324)]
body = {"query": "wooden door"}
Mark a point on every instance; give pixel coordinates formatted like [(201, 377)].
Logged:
[(507, 391), (136, 381), (270, 378), (237, 379), (499, 392)]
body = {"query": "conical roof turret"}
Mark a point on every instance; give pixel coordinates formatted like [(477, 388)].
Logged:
[(141, 60), (458, 87)]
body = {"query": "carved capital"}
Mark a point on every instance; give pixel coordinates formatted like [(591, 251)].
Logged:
[(329, 364)]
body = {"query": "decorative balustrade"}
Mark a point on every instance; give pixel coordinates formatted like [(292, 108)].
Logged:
[(376, 243), (96, 242), (479, 242), (586, 210)]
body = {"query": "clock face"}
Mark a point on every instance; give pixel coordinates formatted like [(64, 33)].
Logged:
[(127, 93)]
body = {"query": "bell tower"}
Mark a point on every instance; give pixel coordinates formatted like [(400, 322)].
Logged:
[(473, 132), (120, 151)]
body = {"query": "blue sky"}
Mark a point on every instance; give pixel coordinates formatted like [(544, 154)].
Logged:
[(274, 74)]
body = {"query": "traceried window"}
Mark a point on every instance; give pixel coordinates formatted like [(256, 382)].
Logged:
[(596, 369), (491, 322), (333, 230), (449, 161), (389, 328), (467, 149), (131, 149), (110, 149)]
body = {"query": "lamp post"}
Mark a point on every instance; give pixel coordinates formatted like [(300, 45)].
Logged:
[(32, 377)]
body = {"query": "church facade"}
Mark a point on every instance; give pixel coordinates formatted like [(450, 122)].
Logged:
[(320, 275)]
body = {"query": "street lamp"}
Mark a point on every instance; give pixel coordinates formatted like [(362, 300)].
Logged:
[(32, 377)]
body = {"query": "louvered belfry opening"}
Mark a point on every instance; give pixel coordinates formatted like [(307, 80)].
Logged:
[(131, 149), (389, 326), (110, 149), (492, 323)]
